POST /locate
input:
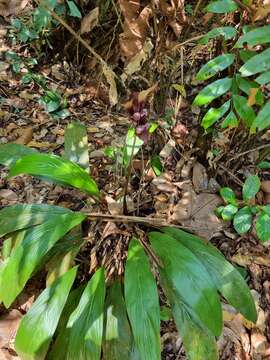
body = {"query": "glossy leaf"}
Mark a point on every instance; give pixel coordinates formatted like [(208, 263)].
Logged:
[(142, 302), (264, 165), (258, 36), (262, 121), (156, 165), (22, 216), (85, 325), (245, 111), (10, 153), (228, 195), (56, 169), (227, 279), (185, 274), (73, 9), (27, 256), (76, 144), (222, 6), (228, 212), (247, 86), (230, 121), (228, 32), (251, 187), (118, 338), (39, 324), (256, 64), (242, 221), (214, 66), (214, 114), (213, 91), (263, 227), (263, 79)]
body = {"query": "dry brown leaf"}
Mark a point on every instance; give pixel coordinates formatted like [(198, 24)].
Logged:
[(248, 259), (90, 21), (174, 11), (12, 7), (261, 12), (9, 195), (199, 177), (197, 212), (8, 327)]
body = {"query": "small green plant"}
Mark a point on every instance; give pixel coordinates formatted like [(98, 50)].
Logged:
[(242, 74), (115, 315), (243, 212)]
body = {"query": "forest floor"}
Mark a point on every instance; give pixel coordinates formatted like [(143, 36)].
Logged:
[(185, 194)]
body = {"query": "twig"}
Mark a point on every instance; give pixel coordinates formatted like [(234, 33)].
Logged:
[(248, 151), (243, 6), (238, 181), (188, 41)]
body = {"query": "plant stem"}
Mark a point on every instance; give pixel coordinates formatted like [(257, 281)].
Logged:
[(125, 209)]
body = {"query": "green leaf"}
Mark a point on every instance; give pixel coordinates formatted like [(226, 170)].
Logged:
[(165, 313), (228, 212), (214, 66), (244, 110), (42, 318), (73, 9), (118, 339), (246, 86), (230, 121), (221, 6), (263, 227), (256, 64), (264, 165), (228, 32), (27, 256), (10, 153), (56, 169), (156, 165), (85, 325), (262, 121), (76, 144), (263, 79), (214, 114), (242, 220), (228, 196), (266, 209), (21, 216), (185, 276), (132, 146), (245, 55), (142, 302), (251, 187), (258, 36), (226, 278), (213, 91)]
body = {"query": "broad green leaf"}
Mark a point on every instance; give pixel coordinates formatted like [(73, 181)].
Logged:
[(221, 6), (245, 55), (73, 9), (56, 169), (226, 278), (251, 187), (27, 256), (230, 121), (85, 325), (242, 220), (214, 66), (213, 91), (263, 227), (244, 110), (262, 121), (263, 79), (118, 338), (266, 209), (10, 153), (132, 146), (156, 165), (246, 85), (76, 144), (258, 36), (21, 216), (264, 165), (228, 32), (185, 274), (257, 64), (142, 302), (214, 114), (228, 212), (39, 324), (228, 195)]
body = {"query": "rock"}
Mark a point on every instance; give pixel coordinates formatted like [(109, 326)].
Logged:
[(265, 186)]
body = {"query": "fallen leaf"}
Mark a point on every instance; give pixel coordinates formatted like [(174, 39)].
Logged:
[(9, 324), (110, 77), (26, 135), (248, 259), (199, 178), (12, 7), (261, 12), (9, 195)]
